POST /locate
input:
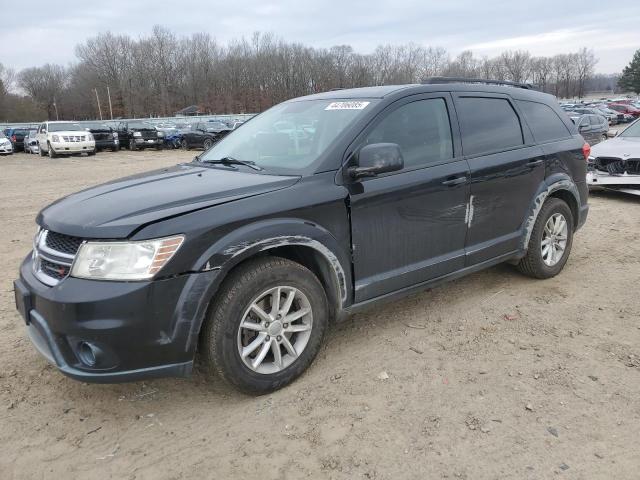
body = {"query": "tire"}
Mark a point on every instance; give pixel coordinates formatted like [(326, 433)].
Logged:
[(115, 149), (534, 264), (208, 143), (159, 147), (184, 145), (40, 151), (92, 153), (132, 145), (222, 336), (50, 151)]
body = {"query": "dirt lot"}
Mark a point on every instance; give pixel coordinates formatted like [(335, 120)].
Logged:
[(495, 376)]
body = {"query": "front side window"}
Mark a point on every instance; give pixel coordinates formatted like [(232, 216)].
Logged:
[(488, 125), (632, 130), (291, 136), (421, 129)]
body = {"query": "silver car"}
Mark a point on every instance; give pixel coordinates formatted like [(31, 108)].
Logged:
[(30, 142), (615, 163)]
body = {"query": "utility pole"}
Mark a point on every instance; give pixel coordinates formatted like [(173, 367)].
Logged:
[(98, 101), (110, 108)]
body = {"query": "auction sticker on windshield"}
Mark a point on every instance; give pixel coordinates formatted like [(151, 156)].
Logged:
[(346, 105)]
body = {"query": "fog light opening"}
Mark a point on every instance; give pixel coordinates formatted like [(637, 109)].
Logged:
[(88, 354)]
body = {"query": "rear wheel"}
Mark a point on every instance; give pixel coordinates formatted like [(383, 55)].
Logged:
[(266, 325), (184, 144), (550, 243)]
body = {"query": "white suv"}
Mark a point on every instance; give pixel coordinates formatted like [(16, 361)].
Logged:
[(64, 138)]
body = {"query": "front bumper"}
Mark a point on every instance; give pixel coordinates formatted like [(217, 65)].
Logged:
[(136, 330), (6, 148), (73, 147), (148, 142), (596, 178)]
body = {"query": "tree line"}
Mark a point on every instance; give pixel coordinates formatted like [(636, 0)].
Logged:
[(161, 73)]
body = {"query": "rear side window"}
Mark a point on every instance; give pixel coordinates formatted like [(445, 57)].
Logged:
[(544, 122), (488, 125), (596, 120), (421, 129)]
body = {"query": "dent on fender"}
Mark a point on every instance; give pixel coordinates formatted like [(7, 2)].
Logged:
[(287, 240)]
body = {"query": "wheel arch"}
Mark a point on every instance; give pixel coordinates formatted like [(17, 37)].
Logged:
[(558, 186)]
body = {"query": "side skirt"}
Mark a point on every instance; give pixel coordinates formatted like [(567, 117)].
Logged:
[(398, 294)]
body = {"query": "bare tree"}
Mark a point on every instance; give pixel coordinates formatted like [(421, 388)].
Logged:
[(44, 84)]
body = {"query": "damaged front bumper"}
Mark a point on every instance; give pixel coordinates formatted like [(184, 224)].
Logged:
[(615, 174)]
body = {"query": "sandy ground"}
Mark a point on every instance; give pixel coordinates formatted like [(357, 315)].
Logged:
[(494, 376)]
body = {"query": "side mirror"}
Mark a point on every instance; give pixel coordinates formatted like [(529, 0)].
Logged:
[(375, 159)]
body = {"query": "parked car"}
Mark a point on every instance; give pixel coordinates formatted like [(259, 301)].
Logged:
[(104, 134), (136, 135), (31, 142), (615, 164), (64, 138), (593, 128), (6, 147), (16, 136), (625, 109), (603, 108), (611, 117), (221, 128), (201, 135), (247, 253)]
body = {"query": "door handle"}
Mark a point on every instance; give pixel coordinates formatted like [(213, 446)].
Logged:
[(454, 181)]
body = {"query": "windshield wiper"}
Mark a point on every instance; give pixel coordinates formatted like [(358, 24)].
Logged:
[(232, 161)]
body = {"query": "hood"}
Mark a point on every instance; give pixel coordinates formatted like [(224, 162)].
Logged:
[(621, 147), (118, 208)]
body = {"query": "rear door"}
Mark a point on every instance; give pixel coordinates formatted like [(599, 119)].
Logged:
[(409, 226), (506, 167)]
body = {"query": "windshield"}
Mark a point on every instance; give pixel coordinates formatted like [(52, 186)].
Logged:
[(632, 130), (140, 125), (97, 126), (61, 127), (290, 136)]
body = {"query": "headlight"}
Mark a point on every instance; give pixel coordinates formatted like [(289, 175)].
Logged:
[(137, 134), (124, 260), (115, 135), (55, 138), (161, 134)]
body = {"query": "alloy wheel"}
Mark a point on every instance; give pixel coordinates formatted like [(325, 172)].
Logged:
[(554, 239), (275, 329)]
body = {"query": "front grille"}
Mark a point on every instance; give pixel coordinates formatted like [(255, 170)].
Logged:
[(53, 256), (53, 270), (73, 138), (618, 166), (63, 243)]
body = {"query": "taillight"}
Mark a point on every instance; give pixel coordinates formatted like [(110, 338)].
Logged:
[(586, 151)]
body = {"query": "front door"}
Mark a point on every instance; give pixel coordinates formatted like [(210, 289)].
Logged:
[(409, 226)]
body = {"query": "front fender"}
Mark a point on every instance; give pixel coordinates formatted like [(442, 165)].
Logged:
[(553, 183), (247, 241)]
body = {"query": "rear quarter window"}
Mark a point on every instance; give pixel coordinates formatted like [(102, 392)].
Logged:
[(544, 122), (488, 125)]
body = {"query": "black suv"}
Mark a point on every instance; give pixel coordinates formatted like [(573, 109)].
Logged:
[(201, 135), (247, 254), (137, 134), (104, 134)]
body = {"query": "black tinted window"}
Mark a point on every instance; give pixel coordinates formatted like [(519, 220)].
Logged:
[(488, 124), (544, 122), (421, 129)]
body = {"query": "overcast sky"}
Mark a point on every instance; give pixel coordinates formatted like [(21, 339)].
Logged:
[(48, 31)]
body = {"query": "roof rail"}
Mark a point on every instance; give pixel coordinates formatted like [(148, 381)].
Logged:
[(436, 80)]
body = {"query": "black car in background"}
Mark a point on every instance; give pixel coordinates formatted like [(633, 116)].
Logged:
[(203, 135), (137, 134), (104, 135), (247, 254)]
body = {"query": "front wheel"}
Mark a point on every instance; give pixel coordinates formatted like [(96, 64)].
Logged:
[(184, 144), (266, 325), (550, 242), (50, 151), (207, 144)]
